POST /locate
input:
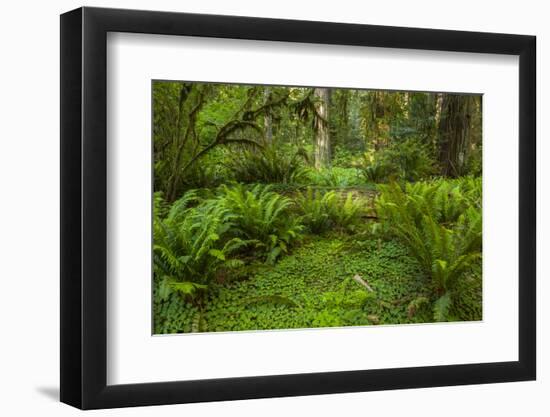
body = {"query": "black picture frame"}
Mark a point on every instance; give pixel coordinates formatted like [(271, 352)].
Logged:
[(84, 207)]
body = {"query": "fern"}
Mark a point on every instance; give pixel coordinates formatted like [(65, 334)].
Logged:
[(441, 307), (270, 164), (313, 207), (345, 214), (326, 211), (262, 216), (335, 177), (440, 223), (377, 171), (191, 244)]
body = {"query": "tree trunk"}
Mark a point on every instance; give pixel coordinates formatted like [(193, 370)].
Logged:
[(406, 105), (178, 141), (378, 114), (322, 134), (267, 118), (433, 112), (438, 105), (454, 133)]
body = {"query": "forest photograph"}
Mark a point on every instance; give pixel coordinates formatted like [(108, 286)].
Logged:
[(282, 207)]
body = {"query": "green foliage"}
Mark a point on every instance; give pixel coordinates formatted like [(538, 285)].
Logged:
[(328, 211), (346, 214), (377, 171), (475, 162), (412, 159), (442, 200), (416, 304), (343, 157), (440, 223), (247, 235), (270, 164), (442, 306), (334, 177), (409, 160), (271, 299), (262, 216), (344, 305), (313, 206), (210, 173), (313, 287), (190, 245), (172, 315), (468, 306)]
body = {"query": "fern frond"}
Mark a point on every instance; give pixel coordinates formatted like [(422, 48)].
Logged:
[(442, 307)]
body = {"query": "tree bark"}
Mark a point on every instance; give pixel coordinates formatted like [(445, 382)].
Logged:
[(267, 118), (407, 105), (438, 105), (181, 136), (378, 112), (454, 133), (322, 133)]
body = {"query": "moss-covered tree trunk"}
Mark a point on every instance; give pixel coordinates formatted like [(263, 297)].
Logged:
[(322, 133)]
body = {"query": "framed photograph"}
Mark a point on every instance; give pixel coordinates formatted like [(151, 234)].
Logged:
[(258, 208)]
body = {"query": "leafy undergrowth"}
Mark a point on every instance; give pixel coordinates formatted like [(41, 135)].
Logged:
[(312, 287)]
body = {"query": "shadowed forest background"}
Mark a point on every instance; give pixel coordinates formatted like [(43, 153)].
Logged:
[(293, 207)]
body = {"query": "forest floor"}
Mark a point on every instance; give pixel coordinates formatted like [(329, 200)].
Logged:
[(319, 283), (314, 287)]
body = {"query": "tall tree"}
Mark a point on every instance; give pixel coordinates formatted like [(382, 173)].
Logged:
[(455, 133), (379, 112), (421, 120), (322, 133), (339, 117), (268, 119)]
